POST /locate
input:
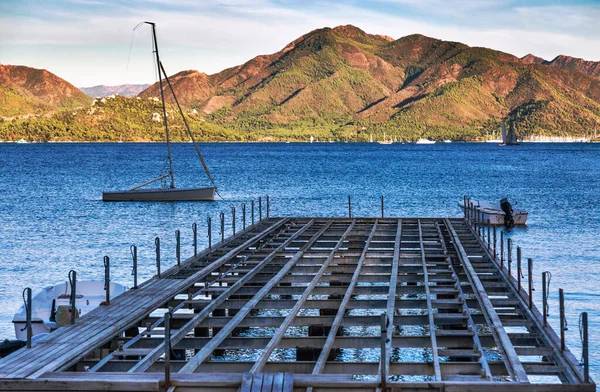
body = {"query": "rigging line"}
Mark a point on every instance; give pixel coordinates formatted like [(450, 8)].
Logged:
[(188, 127)]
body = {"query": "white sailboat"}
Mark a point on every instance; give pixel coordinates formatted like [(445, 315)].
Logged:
[(170, 192), (385, 140)]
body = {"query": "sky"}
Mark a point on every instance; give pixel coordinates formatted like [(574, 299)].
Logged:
[(92, 42)]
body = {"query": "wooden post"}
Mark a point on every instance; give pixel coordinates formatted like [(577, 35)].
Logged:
[(195, 231), (502, 249), (260, 209), (209, 231), (519, 270), (178, 247), (382, 206), (157, 243), (167, 323), (252, 208), (233, 219), (107, 279), (464, 205), (349, 207), (222, 216), (585, 348), (509, 253), (489, 239), (73, 281), (530, 281), (383, 356), (133, 250), (495, 242), (545, 277), (243, 216), (563, 321), (27, 300), (268, 207)]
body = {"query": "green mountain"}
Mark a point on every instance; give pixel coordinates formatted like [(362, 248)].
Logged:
[(345, 84)]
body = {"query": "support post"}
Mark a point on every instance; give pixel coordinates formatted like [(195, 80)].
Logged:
[(383, 356), (195, 231), (502, 249), (585, 348), (233, 219), (519, 270), (544, 298), (383, 207), (530, 281), (260, 209), (134, 271), (157, 244), (107, 279), (209, 232), (465, 207), (73, 282), (489, 237), (27, 300), (167, 323), (509, 254), (178, 247), (495, 243), (268, 207), (243, 216), (252, 208), (349, 207), (222, 215), (563, 321)]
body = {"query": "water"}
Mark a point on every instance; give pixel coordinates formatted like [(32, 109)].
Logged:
[(53, 219)]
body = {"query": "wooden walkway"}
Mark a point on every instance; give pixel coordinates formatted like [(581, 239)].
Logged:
[(314, 304)]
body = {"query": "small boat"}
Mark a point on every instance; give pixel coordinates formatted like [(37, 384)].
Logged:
[(500, 213), (166, 192), (510, 138), (21, 141), (51, 309), (425, 141), (385, 140), (447, 141)]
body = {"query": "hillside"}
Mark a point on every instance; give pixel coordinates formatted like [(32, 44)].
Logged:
[(26, 91), (124, 90), (345, 84), (569, 63)]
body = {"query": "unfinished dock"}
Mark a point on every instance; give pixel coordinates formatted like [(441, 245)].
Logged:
[(317, 304)]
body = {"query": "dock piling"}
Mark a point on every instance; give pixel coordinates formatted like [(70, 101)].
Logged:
[(209, 232), (530, 281), (509, 254), (233, 219), (252, 208), (563, 321), (157, 244), (134, 270), (27, 303), (489, 237), (502, 250), (243, 216), (268, 207), (222, 216), (107, 279), (178, 247), (495, 243), (195, 231), (382, 207), (519, 270), (260, 209), (545, 285), (585, 347), (73, 297), (349, 207)]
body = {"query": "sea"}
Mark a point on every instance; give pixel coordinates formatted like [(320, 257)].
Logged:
[(52, 218)]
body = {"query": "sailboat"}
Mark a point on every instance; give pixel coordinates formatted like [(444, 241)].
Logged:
[(170, 193), (385, 140), (510, 138)]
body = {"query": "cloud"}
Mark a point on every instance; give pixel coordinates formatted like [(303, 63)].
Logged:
[(88, 41)]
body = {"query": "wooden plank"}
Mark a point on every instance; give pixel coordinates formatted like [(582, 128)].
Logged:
[(432, 335), (288, 382), (149, 359), (266, 353), (510, 357), (201, 355), (340, 313)]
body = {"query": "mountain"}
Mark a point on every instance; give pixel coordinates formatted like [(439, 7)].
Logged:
[(125, 90), (345, 84), (26, 91), (569, 63)]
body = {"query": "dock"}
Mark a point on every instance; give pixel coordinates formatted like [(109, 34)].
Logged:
[(318, 304)]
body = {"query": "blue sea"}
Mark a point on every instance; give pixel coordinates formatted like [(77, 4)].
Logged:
[(53, 219)]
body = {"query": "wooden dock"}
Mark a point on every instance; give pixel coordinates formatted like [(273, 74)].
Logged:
[(318, 304)]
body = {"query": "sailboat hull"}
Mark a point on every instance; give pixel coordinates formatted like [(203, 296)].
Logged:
[(183, 194)]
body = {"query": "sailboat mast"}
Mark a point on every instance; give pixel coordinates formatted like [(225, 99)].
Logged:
[(164, 107)]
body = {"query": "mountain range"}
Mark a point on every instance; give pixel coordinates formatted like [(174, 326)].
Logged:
[(345, 84), (125, 90)]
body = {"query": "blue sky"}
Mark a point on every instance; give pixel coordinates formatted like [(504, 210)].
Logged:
[(87, 41)]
